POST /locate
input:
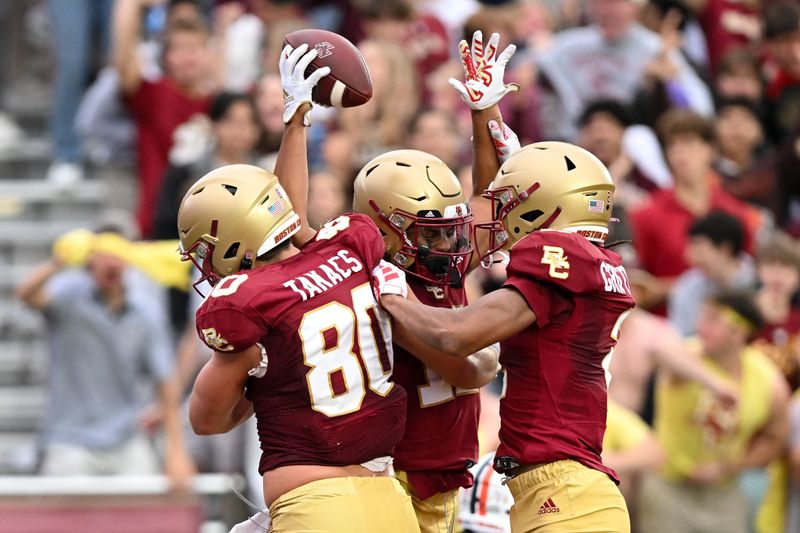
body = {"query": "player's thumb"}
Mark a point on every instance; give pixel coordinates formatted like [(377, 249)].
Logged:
[(458, 86)]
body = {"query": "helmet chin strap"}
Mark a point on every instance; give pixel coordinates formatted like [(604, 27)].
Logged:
[(439, 266), (247, 261)]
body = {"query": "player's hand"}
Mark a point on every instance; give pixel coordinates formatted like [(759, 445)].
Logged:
[(484, 69), (296, 87), (388, 279), (73, 248), (505, 140)]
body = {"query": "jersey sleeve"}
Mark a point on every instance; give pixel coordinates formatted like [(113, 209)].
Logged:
[(359, 233), (546, 267), (227, 328)]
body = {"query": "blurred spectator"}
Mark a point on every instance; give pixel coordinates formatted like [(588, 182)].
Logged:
[(326, 198), (778, 298), (107, 334), (782, 70), (715, 252), (727, 24), (340, 157), (610, 59), (382, 123), (648, 343), (631, 449), (534, 22), (693, 40), (602, 128), (709, 442), (74, 24), (158, 107), (739, 76), (239, 35), (421, 34), (200, 147), (10, 132), (269, 100), (660, 225), (436, 133), (793, 505), (745, 164)]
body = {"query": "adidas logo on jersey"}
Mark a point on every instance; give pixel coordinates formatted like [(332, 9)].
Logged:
[(549, 507)]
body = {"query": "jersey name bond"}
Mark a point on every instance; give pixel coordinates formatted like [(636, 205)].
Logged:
[(325, 276)]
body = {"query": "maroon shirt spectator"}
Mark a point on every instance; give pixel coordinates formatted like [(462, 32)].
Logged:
[(782, 69), (154, 136), (728, 24), (158, 107), (661, 224)]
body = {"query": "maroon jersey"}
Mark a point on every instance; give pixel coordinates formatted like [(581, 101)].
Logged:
[(555, 402), (441, 438), (327, 397)]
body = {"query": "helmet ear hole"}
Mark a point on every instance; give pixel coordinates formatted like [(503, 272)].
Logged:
[(233, 249), (530, 216)]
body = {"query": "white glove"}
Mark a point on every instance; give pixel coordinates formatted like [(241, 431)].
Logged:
[(296, 87), (483, 72), (505, 140), (388, 279)]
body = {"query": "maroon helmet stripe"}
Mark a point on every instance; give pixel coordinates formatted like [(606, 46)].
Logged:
[(551, 218)]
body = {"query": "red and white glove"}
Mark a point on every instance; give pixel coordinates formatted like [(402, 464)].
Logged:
[(388, 279), (505, 140), (483, 72), (296, 87)]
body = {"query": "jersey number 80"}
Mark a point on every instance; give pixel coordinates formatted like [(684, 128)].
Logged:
[(324, 361)]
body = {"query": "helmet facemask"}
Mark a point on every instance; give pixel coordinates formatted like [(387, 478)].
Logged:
[(503, 201), (200, 254), (434, 247)]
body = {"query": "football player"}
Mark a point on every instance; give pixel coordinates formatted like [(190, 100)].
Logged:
[(418, 205), (557, 317), (300, 340)]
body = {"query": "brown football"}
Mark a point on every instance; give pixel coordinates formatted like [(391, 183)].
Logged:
[(348, 84)]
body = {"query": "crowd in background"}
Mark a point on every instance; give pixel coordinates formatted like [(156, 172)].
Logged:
[(693, 105)]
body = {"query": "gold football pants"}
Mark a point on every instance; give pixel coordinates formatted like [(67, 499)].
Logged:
[(345, 505), (436, 514), (567, 496)]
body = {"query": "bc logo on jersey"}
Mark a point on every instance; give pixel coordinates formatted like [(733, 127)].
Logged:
[(559, 265), (216, 340)]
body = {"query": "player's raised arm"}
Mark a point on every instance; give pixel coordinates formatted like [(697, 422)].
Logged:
[(292, 164), (473, 371), (482, 89)]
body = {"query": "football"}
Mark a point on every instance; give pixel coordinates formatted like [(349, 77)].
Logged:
[(348, 84)]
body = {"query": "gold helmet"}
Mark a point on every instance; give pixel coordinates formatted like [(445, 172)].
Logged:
[(552, 185), (417, 203), (230, 216)]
